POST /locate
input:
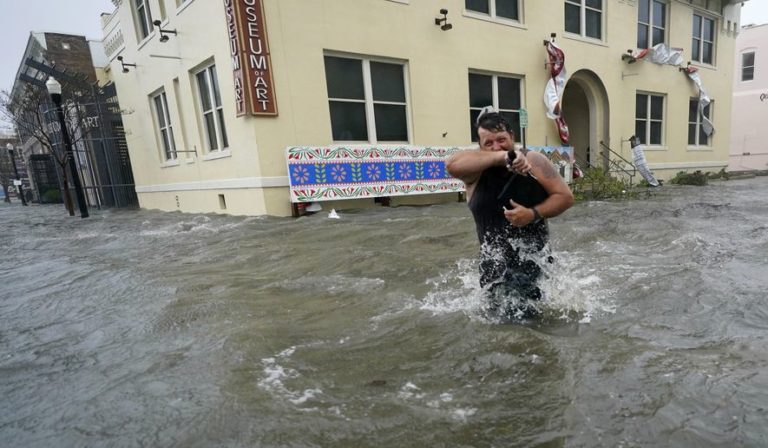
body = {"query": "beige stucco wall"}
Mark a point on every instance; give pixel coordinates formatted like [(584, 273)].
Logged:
[(252, 174)]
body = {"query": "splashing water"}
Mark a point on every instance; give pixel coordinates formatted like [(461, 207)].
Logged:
[(571, 289)]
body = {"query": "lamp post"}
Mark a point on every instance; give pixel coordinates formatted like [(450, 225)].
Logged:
[(54, 89), (17, 180)]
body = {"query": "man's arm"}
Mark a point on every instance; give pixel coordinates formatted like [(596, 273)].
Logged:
[(560, 197), (469, 165)]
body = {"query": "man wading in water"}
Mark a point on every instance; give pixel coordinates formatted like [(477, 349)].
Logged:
[(513, 233)]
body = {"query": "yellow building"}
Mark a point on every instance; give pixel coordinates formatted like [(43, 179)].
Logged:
[(373, 72)]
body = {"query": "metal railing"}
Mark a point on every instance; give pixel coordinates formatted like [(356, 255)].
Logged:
[(616, 167)]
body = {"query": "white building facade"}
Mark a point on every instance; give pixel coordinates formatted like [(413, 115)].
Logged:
[(749, 150)]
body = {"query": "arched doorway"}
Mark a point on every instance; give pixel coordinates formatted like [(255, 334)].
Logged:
[(586, 111)]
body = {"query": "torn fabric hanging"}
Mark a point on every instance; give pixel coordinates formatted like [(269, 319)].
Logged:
[(553, 92), (704, 100), (663, 55), (659, 54), (640, 163)]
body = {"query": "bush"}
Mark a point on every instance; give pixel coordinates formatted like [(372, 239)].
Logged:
[(644, 183), (695, 178), (595, 184), (722, 174), (51, 196)]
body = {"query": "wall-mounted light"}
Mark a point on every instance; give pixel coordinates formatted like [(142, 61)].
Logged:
[(163, 37), (125, 64), (443, 22)]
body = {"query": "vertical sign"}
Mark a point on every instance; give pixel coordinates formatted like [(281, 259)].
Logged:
[(251, 62), (237, 58)]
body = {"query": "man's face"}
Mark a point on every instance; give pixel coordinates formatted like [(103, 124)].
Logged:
[(495, 141)]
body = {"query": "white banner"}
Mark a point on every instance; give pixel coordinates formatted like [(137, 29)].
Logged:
[(640, 163), (704, 100), (553, 91), (663, 55)]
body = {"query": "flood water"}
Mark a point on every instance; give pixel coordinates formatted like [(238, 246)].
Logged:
[(143, 328)]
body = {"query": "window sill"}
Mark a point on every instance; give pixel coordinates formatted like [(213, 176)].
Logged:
[(699, 148), (586, 40), (217, 155), (498, 20), (654, 148), (698, 64), (146, 40), (169, 163), (183, 6)]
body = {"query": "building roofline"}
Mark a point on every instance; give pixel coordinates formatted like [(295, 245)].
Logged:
[(753, 25), (63, 33)]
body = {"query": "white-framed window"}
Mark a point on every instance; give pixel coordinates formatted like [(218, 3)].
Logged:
[(502, 9), (584, 17), (211, 110), (143, 18), (696, 134), (504, 93), (649, 118), (703, 42), (368, 99), (748, 66), (651, 23), (164, 127)]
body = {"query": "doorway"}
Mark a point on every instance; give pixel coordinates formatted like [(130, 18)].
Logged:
[(586, 111)]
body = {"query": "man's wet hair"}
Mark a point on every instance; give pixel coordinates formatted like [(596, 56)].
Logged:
[(494, 122)]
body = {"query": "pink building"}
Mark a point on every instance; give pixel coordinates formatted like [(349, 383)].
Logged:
[(749, 127)]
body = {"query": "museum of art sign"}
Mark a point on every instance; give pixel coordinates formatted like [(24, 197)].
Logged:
[(249, 52)]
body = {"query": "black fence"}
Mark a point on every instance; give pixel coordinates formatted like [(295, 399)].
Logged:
[(94, 121)]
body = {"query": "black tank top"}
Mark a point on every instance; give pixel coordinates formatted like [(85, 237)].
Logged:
[(501, 241)]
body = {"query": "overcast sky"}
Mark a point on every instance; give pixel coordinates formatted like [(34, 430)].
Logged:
[(19, 17)]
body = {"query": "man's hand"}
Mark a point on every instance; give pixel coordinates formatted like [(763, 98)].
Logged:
[(520, 165), (517, 215)]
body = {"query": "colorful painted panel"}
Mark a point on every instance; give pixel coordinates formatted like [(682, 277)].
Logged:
[(351, 172), (560, 156), (325, 173), (556, 154)]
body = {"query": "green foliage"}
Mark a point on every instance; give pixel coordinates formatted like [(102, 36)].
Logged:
[(644, 184), (722, 174), (596, 184), (52, 196), (695, 178)]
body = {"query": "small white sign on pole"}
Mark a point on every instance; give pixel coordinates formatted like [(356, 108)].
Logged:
[(16, 182)]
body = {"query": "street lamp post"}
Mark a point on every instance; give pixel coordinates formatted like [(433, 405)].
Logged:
[(17, 181), (54, 89)]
